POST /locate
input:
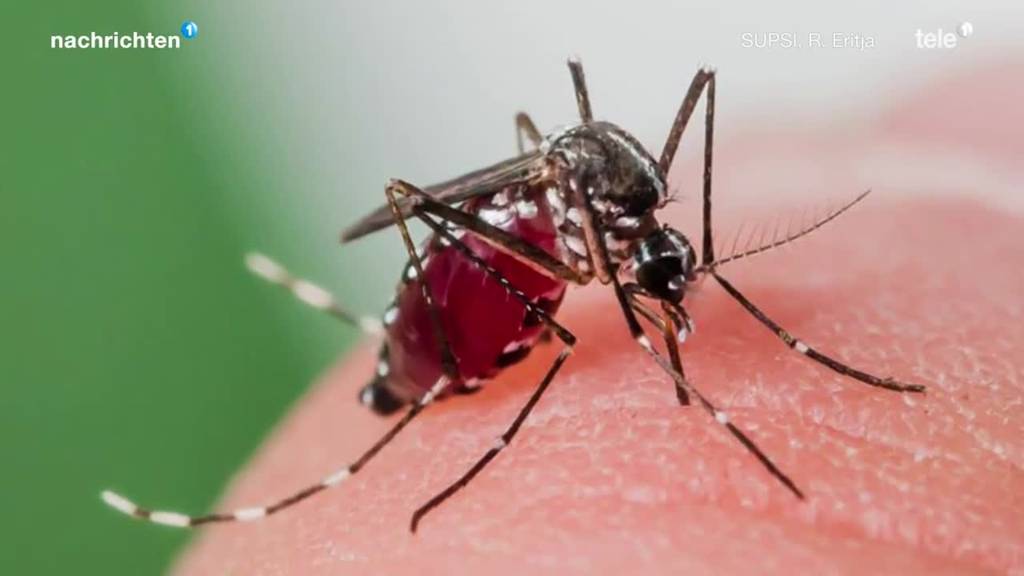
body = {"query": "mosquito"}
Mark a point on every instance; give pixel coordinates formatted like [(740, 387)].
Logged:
[(505, 243)]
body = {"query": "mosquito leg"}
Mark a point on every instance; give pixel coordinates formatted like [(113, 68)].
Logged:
[(270, 270), (646, 312), (705, 77), (447, 358), (465, 220), (500, 444), (579, 83), (524, 252), (670, 325), (668, 152), (632, 290), (677, 376), (478, 183), (526, 127), (671, 343), (802, 348), (707, 253), (308, 293), (439, 228), (531, 308), (179, 520)]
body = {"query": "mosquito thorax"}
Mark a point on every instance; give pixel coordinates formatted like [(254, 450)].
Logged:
[(620, 179), (664, 264)]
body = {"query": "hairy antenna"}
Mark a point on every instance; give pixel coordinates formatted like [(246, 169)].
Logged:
[(762, 246)]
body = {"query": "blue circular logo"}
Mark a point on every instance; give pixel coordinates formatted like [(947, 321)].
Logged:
[(189, 29)]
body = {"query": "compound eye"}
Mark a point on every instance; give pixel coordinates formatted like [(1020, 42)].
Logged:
[(664, 264), (663, 277)]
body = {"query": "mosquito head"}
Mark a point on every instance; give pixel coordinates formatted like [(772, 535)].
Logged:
[(664, 263)]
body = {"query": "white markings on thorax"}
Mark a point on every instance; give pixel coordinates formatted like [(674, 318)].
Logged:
[(627, 222), (495, 216), (642, 159), (527, 209), (500, 198), (574, 216), (558, 211)]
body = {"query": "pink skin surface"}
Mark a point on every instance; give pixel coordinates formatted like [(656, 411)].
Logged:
[(611, 476)]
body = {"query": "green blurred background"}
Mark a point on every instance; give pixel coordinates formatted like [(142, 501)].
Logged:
[(136, 353)]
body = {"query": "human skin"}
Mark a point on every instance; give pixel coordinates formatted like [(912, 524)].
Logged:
[(610, 475)]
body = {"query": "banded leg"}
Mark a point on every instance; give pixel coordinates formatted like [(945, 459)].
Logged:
[(268, 269), (500, 444), (308, 293), (526, 127), (680, 317), (705, 77), (179, 520), (681, 323), (670, 325), (579, 83), (798, 345), (567, 338), (676, 373)]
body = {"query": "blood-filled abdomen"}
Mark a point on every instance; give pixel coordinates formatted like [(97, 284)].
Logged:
[(486, 326)]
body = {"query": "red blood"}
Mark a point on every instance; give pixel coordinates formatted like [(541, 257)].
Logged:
[(480, 317)]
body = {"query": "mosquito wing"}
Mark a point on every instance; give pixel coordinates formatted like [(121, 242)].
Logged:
[(481, 182)]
